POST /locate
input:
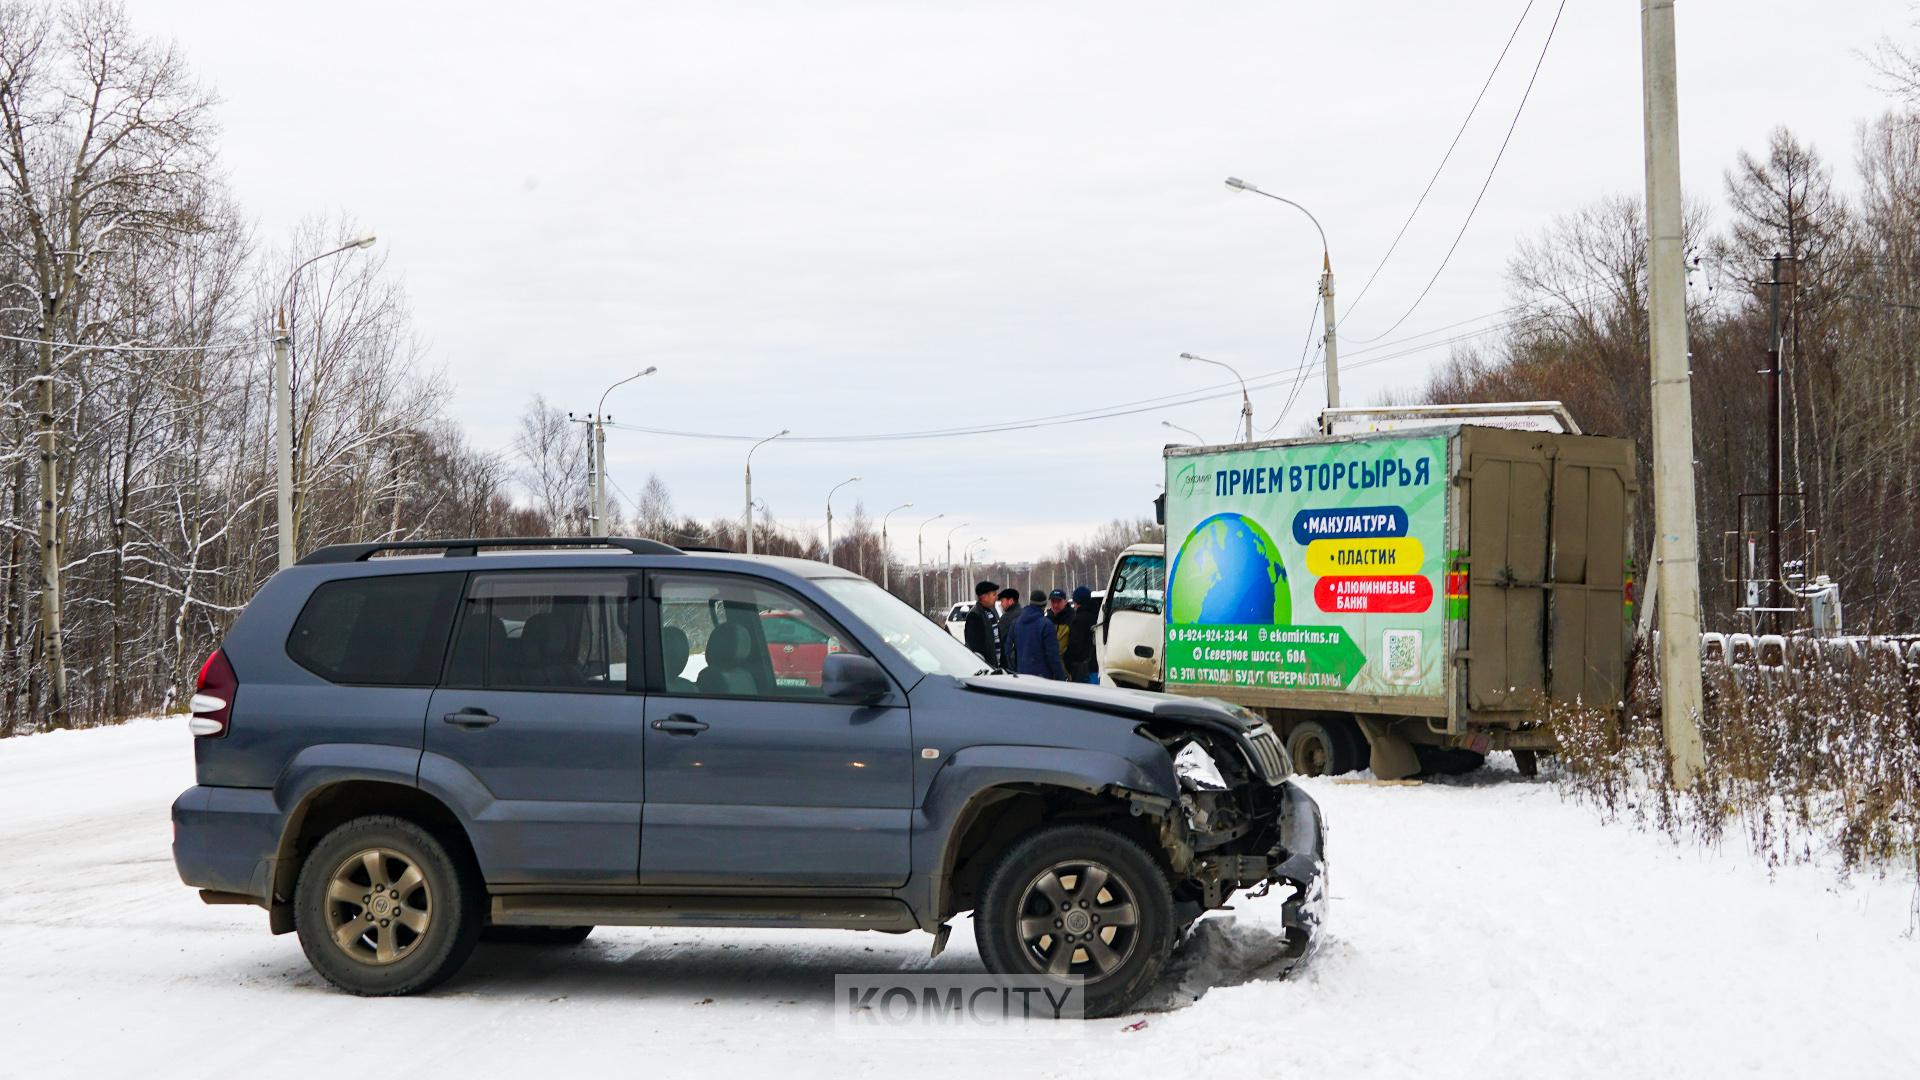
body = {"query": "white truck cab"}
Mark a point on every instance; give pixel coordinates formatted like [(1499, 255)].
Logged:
[(1133, 619)]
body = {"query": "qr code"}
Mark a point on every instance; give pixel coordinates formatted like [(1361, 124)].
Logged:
[(1402, 651)]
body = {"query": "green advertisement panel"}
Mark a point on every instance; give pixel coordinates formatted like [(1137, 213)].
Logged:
[(1315, 567)]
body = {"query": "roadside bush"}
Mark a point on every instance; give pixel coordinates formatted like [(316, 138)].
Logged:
[(1815, 755)]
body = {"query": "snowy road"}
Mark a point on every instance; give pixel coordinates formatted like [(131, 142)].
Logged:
[(1486, 930)]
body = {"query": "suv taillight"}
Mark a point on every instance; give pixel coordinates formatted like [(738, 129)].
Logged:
[(213, 697)]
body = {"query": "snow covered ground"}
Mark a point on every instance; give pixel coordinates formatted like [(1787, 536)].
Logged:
[(1479, 929)]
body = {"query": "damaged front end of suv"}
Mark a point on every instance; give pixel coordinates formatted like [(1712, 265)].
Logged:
[(1239, 821), (1206, 783)]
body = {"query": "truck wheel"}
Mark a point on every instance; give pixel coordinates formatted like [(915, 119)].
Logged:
[(1078, 900), (1527, 761), (1319, 749), (535, 935), (383, 908)]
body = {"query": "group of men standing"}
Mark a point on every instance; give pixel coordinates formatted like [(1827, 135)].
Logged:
[(1049, 637)]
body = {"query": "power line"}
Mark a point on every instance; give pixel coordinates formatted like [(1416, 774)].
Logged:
[(1444, 158), (1495, 167), (136, 348), (1263, 381), (1300, 378)]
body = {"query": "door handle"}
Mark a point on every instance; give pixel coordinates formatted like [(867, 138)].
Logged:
[(471, 718), (680, 724)]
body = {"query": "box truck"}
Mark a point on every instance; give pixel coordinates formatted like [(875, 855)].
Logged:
[(1407, 599)]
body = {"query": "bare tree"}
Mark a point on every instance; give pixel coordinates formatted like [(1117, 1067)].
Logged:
[(553, 451), (105, 139)]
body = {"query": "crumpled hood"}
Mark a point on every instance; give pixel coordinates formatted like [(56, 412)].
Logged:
[(1136, 704)]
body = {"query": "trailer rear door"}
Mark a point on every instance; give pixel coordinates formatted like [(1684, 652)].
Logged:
[(1548, 518), (1508, 485)]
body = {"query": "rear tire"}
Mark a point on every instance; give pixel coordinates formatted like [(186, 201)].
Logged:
[(535, 935), (405, 937), (1078, 900), (1320, 748)]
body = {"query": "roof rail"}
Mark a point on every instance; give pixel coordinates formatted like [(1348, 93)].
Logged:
[(464, 547)]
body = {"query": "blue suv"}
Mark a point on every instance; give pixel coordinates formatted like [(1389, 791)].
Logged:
[(405, 749)]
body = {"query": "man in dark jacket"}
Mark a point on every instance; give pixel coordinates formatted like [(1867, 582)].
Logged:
[(1036, 647), (1060, 615), (980, 636), (1009, 611), (1083, 663)]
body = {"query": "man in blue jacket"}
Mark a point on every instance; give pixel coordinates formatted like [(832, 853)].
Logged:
[(1036, 644)]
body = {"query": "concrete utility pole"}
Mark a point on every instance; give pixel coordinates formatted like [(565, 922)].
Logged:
[(750, 451), (886, 549), (283, 404), (1332, 329), (830, 492), (1676, 548), (597, 455), (920, 543)]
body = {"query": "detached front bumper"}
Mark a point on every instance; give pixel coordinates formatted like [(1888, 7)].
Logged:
[(1300, 860)]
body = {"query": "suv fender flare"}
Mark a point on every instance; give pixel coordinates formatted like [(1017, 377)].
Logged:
[(311, 772), (977, 776), (326, 764)]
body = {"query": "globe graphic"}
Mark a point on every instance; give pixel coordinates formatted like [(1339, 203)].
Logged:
[(1228, 570)]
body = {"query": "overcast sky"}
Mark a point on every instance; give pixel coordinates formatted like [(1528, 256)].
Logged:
[(832, 217)]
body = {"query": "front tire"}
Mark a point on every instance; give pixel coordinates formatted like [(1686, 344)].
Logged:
[(1078, 900), (383, 908)]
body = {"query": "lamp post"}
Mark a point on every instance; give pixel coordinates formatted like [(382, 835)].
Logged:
[(950, 533), (920, 544), (1246, 403), (1196, 435), (750, 451), (830, 491), (1326, 288), (886, 552), (283, 403), (597, 457), (966, 554)]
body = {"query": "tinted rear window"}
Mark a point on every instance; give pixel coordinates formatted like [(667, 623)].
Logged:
[(377, 631)]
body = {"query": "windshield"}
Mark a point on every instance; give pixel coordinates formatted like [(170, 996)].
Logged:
[(925, 644)]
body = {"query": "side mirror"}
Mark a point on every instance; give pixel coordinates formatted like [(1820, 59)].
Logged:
[(852, 678)]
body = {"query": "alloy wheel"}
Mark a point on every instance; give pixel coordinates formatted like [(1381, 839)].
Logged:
[(1078, 918), (378, 906)]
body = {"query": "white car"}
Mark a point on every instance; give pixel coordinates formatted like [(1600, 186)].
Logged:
[(957, 622)]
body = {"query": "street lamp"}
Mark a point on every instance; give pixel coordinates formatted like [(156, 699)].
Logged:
[(1326, 287), (283, 403), (750, 451), (966, 554), (1196, 435), (950, 533), (886, 552), (1246, 403), (920, 543), (598, 466), (830, 491)]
